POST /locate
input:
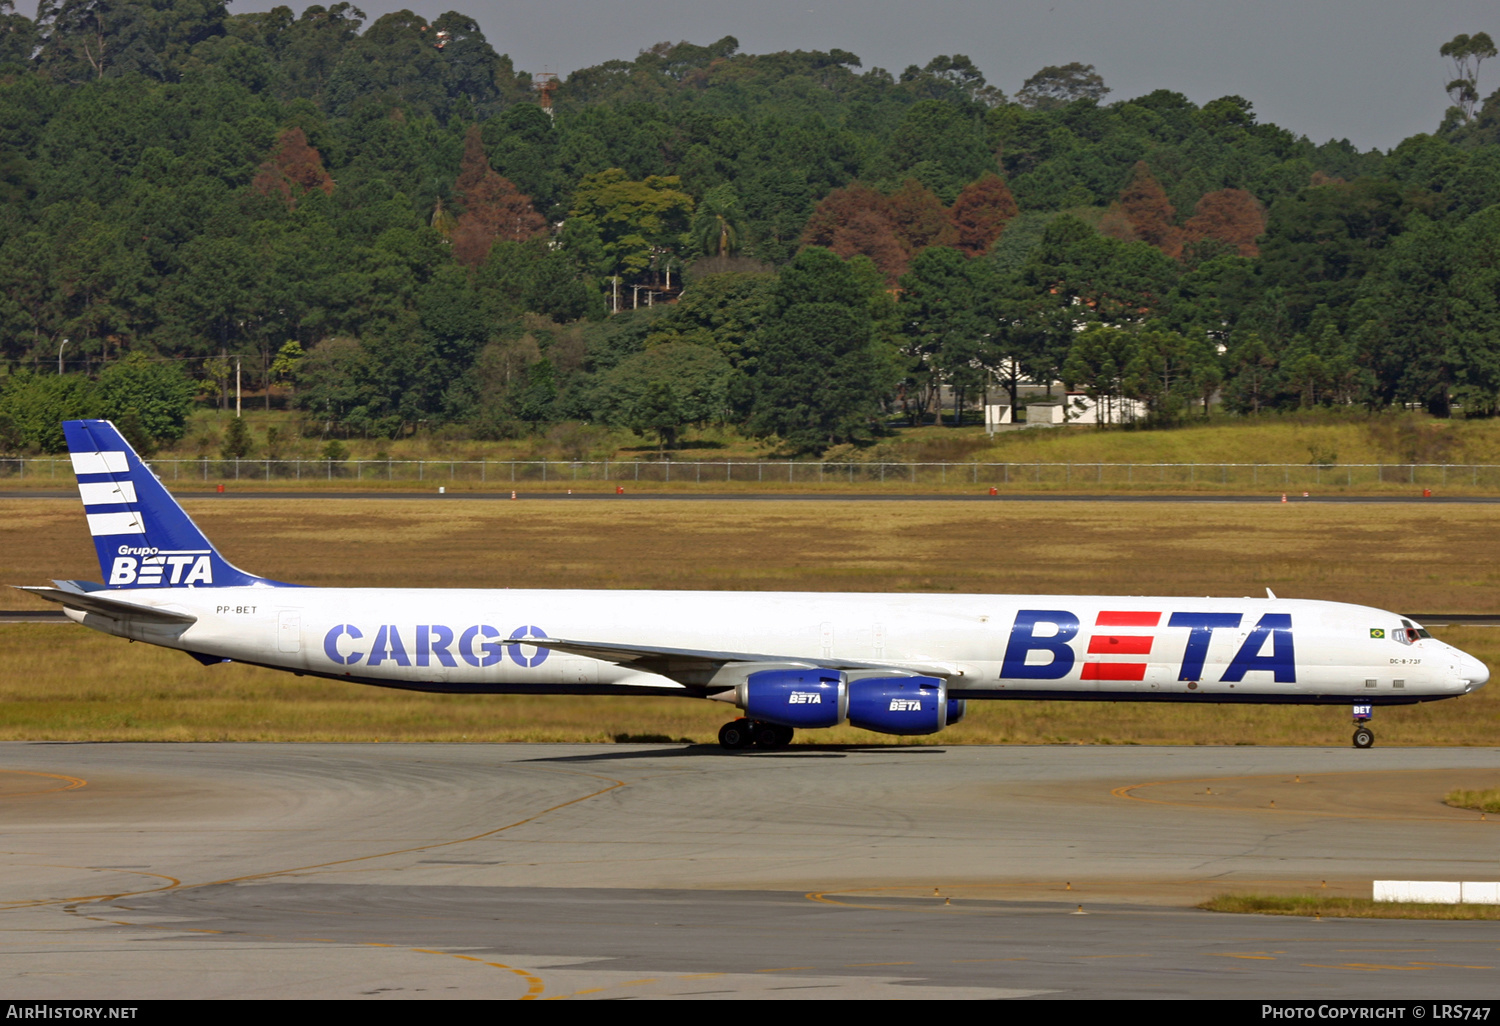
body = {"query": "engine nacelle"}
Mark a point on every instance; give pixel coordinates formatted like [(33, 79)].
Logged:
[(902, 705), (795, 698), (956, 709)]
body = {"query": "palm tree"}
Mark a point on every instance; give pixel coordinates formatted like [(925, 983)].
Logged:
[(714, 228)]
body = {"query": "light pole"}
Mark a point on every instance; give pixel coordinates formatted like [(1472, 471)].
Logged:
[(59, 356)]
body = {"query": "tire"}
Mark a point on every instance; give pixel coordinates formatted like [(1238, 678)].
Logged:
[(1364, 737), (735, 734), (769, 735)]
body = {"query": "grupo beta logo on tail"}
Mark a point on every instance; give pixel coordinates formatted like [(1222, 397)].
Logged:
[(143, 565)]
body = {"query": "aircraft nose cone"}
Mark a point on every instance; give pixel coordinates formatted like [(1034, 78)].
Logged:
[(1472, 670)]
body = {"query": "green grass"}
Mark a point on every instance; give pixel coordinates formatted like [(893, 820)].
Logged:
[(1321, 454), (1344, 908), (1480, 801), (1299, 439)]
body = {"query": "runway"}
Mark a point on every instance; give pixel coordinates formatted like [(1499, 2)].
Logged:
[(612, 871)]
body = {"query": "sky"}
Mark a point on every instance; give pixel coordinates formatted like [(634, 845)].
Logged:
[(1363, 70)]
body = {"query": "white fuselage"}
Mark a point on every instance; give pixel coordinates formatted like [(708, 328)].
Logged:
[(986, 646)]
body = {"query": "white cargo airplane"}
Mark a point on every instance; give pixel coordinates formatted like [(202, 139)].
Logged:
[(895, 664)]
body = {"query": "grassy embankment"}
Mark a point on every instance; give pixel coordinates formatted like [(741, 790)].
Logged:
[(1481, 801), (1316, 452), (64, 682), (1344, 908)]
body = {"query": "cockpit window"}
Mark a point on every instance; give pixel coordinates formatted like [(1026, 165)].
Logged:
[(1409, 632)]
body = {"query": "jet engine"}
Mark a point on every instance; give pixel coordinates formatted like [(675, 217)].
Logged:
[(902, 705), (795, 698), (811, 698)]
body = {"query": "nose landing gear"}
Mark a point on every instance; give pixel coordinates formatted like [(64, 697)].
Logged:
[(1364, 737), (743, 733)]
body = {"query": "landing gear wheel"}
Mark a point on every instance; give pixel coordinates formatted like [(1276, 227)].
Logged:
[(1364, 737), (735, 734), (771, 735)]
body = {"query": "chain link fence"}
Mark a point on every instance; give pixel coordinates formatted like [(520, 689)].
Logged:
[(504, 473)]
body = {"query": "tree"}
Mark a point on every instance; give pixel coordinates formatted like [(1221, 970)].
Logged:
[(715, 228), (37, 405), (919, 218), (942, 146), (237, 444), (948, 319), (1322, 242), (1145, 205), (1163, 369), (88, 40), (336, 383), (393, 64), (953, 79), (157, 393), (288, 358), (17, 35), (309, 48), (722, 311), (1103, 279), (1096, 365), (857, 220), (664, 389), (493, 207), (1425, 317), (523, 145), (890, 230), (980, 214), (1251, 370), (1054, 87), (838, 208), (293, 169), (816, 377), (1467, 53), (639, 222), (1231, 216), (1167, 371), (472, 72)]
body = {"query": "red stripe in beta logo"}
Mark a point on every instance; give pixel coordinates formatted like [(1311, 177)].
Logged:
[(1120, 645)]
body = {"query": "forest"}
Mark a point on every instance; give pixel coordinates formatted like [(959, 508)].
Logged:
[(388, 226)]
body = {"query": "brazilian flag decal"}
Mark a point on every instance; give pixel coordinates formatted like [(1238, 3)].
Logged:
[(1377, 632)]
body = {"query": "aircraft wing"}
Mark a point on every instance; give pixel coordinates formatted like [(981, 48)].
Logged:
[(667, 661), (73, 595)]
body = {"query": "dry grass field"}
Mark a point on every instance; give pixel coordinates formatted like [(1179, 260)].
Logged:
[(61, 681)]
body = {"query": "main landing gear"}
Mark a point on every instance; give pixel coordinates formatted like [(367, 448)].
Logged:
[(1364, 737), (743, 733)]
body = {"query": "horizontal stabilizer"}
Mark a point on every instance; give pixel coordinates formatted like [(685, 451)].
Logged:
[(666, 660), (70, 596)]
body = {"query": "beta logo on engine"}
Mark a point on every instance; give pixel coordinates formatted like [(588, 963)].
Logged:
[(905, 705), (805, 698)]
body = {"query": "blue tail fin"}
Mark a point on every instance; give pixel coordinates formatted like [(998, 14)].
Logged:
[(143, 537)]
